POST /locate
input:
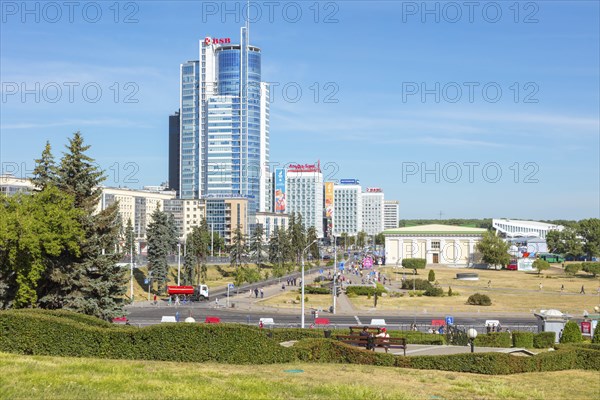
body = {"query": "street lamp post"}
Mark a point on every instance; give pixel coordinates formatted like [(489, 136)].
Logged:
[(131, 276), (178, 263), (302, 300), (334, 272), (472, 334)]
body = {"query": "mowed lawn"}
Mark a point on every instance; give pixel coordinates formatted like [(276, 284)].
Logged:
[(38, 377)]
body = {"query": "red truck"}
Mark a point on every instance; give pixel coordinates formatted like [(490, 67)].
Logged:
[(199, 292)]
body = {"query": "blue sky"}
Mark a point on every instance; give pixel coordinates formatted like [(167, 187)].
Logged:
[(371, 61)]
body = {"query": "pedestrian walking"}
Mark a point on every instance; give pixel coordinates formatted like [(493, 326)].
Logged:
[(177, 316), (262, 293), (562, 288), (155, 300), (170, 300), (282, 286), (541, 286), (177, 303), (489, 284), (582, 291), (256, 293)]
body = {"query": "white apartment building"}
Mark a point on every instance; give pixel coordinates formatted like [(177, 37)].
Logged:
[(347, 208), (271, 222), (135, 205), (11, 185), (391, 214), (372, 211), (304, 195), (516, 228)]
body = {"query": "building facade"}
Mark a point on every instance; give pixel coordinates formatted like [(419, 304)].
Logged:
[(303, 194), (11, 185), (225, 123), (373, 211), (391, 214), (437, 244), (270, 222), (347, 207), (174, 156)]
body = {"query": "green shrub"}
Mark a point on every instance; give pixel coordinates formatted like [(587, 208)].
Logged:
[(591, 268), (315, 290), (419, 284), (544, 340), (366, 290), (523, 339), (449, 291), (479, 299), (414, 263), (572, 269), (431, 276), (596, 337), (571, 333), (434, 292), (493, 339)]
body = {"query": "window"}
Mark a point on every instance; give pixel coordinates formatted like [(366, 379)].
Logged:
[(435, 245)]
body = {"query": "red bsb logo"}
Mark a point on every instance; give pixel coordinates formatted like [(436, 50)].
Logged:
[(208, 41)]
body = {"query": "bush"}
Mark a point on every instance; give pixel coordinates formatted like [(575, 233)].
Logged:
[(420, 284), (596, 337), (434, 292), (571, 333), (544, 340), (315, 290), (366, 290), (449, 291), (431, 276), (479, 299), (591, 268), (572, 269), (493, 339), (523, 339), (414, 263)]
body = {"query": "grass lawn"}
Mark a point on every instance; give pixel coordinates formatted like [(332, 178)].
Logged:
[(38, 377), (285, 300)]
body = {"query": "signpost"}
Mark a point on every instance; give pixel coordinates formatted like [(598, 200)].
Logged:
[(449, 320)]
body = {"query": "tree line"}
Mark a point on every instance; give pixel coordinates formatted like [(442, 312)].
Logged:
[(56, 249)]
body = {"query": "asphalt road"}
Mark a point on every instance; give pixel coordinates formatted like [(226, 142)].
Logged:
[(148, 315)]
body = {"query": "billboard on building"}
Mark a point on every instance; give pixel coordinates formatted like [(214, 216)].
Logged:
[(329, 199), (280, 192), (349, 182)]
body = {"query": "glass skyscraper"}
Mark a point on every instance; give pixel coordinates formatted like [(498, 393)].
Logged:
[(225, 124)]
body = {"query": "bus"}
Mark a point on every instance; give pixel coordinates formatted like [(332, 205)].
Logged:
[(552, 258)]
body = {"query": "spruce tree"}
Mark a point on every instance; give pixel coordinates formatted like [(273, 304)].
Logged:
[(311, 236), (89, 282), (256, 244), (160, 244), (44, 172)]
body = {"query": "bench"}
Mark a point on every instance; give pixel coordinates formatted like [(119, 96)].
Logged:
[(370, 329), (390, 342), (363, 341), (212, 320)]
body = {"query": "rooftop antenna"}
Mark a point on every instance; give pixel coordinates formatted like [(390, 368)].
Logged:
[(441, 213)]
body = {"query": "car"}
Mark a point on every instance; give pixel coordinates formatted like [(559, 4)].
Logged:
[(326, 257), (512, 266)]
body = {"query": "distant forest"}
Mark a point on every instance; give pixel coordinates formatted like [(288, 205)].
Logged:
[(474, 223)]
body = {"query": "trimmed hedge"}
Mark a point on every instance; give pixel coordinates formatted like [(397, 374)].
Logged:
[(571, 333), (327, 351), (314, 290), (544, 340), (420, 284), (35, 333), (366, 290), (287, 334), (523, 339), (494, 339)]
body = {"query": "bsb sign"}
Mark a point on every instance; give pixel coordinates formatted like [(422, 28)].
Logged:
[(208, 41)]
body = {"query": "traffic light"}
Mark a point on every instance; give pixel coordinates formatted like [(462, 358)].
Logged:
[(338, 290)]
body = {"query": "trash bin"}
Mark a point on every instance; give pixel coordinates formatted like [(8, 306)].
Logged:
[(327, 334)]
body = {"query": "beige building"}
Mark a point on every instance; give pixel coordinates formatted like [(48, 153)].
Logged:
[(271, 222), (438, 244)]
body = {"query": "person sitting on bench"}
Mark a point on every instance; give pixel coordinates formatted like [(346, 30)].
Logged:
[(384, 334), (367, 335)]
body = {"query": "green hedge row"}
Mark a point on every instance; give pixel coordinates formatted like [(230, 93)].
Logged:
[(494, 339), (366, 290), (315, 290), (35, 333), (287, 334), (544, 340), (327, 351), (523, 339)]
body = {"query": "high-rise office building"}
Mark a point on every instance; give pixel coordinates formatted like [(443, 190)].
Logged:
[(225, 123), (174, 142)]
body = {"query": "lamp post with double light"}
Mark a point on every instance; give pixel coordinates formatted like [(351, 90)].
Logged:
[(302, 300)]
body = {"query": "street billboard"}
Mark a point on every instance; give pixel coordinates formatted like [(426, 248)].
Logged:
[(329, 199), (280, 192)]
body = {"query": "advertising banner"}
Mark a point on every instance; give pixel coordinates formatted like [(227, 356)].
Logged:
[(280, 192), (329, 199)]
